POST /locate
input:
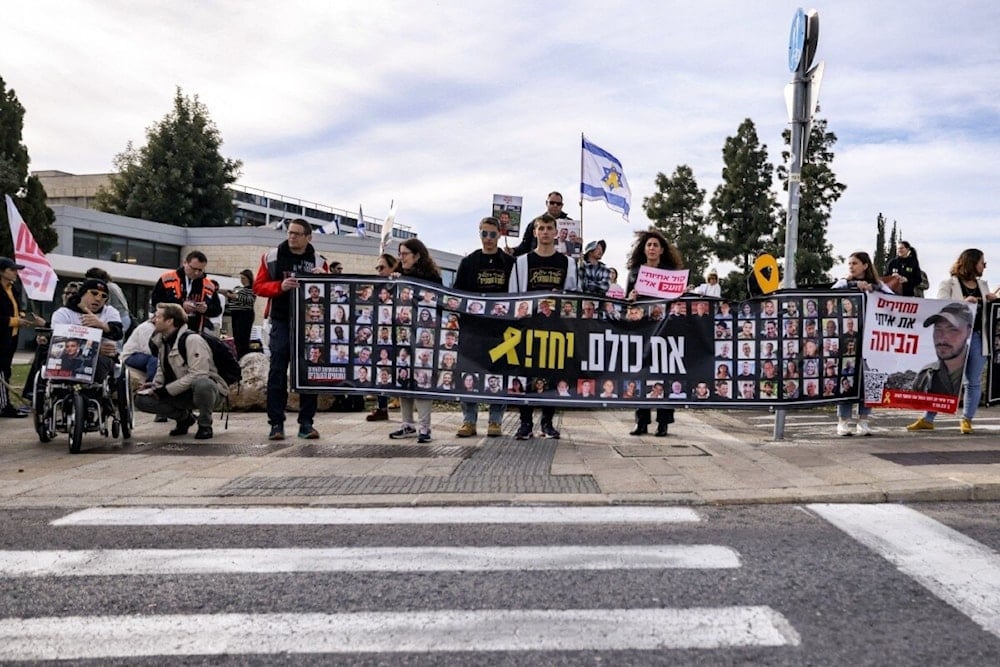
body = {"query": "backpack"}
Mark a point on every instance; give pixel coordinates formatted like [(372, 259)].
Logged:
[(225, 363)]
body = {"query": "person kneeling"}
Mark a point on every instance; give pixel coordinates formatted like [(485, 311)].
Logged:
[(186, 377)]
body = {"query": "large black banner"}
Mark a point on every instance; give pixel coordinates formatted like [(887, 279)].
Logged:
[(412, 338)]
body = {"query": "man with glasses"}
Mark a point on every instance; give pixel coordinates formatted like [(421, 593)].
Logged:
[(276, 281), (554, 209), (90, 308), (189, 287), (481, 271)]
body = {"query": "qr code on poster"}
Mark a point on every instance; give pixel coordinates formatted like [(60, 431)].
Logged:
[(874, 384)]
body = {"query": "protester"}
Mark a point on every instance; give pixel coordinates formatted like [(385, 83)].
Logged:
[(12, 318), (554, 209), (240, 306), (615, 291), (184, 381), (117, 297), (192, 289), (710, 287), (71, 289), (965, 284), (594, 275), (542, 270), (902, 273), (485, 270), (861, 275), (276, 282), (652, 249), (415, 261), (385, 266)]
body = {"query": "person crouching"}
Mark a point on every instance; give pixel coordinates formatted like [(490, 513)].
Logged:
[(183, 382)]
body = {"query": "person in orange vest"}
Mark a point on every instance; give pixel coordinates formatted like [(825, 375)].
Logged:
[(189, 287)]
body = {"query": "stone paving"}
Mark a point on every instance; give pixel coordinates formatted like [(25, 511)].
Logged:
[(710, 456)]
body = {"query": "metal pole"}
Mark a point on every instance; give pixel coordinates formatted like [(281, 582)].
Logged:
[(797, 145)]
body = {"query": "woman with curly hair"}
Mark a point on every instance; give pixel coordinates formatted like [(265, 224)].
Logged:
[(415, 262), (651, 248)]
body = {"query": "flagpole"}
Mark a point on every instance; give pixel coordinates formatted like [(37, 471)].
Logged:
[(583, 237)]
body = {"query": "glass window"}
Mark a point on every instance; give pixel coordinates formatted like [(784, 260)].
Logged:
[(141, 252), (84, 244)]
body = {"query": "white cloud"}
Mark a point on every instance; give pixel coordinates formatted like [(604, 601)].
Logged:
[(439, 106)]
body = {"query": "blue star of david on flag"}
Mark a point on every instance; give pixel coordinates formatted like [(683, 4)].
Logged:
[(602, 177)]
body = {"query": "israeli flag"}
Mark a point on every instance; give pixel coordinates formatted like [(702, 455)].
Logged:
[(332, 227), (360, 230), (602, 177)]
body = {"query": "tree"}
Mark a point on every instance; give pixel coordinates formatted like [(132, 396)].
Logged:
[(819, 189), (179, 177), (743, 207), (27, 191), (880, 258), (676, 209)]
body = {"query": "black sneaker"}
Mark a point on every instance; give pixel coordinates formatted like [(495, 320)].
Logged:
[(404, 432), (204, 433), (524, 432), (425, 436), (183, 425), (549, 431)]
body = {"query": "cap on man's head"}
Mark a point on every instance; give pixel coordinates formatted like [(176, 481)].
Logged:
[(593, 246), (712, 273), (8, 263), (94, 283), (956, 313)]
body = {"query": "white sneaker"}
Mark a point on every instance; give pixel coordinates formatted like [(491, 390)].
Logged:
[(864, 428), (844, 428)]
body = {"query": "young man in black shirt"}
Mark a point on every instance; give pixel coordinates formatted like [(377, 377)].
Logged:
[(542, 270)]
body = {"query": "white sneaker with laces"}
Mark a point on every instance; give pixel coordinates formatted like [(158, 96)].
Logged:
[(844, 428), (864, 428)]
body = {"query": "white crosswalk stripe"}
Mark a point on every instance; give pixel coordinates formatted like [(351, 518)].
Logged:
[(481, 630), (957, 569), (72, 636), (113, 562), (260, 516)]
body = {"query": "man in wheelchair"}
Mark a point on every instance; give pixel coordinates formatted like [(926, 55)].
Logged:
[(89, 307)]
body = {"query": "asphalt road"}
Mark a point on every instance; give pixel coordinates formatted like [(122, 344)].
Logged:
[(778, 585)]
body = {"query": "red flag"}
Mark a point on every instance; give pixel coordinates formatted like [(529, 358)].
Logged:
[(37, 276)]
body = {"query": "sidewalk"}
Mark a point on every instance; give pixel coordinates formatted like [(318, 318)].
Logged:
[(710, 457)]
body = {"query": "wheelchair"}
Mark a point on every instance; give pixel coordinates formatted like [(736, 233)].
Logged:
[(75, 408)]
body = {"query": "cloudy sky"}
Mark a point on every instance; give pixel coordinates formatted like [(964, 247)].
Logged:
[(439, 105)]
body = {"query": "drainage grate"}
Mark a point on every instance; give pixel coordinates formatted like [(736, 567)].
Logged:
[(381, 451), (659, 451), (942, 458)]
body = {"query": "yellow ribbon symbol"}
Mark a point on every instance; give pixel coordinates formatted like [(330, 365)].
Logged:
[(768, 281), (511, 339)]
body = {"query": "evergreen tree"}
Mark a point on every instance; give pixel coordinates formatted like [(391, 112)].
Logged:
[(27, 191), (880, 258), (677, 210), (819, 189), (890, 248), (743, 207), (179, 177)]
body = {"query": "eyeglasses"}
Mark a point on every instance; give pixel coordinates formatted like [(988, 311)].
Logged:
[(486, 234), (97, 294), (291, 233), (404, 253), (554, 203)]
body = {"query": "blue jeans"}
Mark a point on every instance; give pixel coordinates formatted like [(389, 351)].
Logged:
[(146, 363), (844, 410), (973, 379), (277, 380), (470, 412)]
